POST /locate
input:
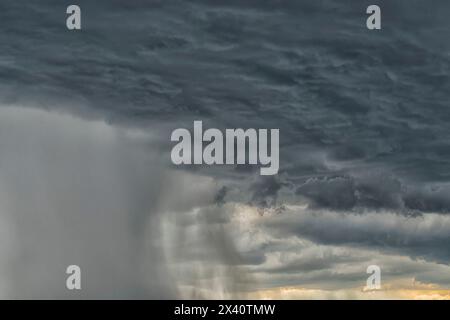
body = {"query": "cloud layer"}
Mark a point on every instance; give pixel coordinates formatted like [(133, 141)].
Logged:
[(85, 176)]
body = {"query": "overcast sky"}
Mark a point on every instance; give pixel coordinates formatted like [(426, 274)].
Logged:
[(85, 170)]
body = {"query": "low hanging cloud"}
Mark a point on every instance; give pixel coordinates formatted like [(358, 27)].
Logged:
[(374, 189), (269, 255), (424, 235)]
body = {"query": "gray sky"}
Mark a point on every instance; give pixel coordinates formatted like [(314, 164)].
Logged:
[(85, 171)]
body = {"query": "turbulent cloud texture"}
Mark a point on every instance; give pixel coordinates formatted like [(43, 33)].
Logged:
[(85, 171)]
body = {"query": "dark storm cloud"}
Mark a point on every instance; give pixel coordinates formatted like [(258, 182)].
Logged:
[(265, 191), (363, 119), (313, 262), (375, 189), (220, 196), (424, 236)]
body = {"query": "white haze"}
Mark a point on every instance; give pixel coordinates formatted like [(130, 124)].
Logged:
[(74, 191)]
